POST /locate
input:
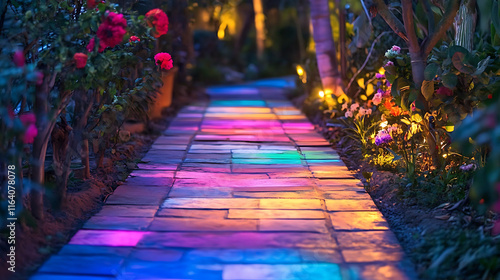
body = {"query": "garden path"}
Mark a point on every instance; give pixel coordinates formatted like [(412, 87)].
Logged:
[(240, 187)]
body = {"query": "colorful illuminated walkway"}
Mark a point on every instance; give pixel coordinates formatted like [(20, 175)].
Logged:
[(241, 187)]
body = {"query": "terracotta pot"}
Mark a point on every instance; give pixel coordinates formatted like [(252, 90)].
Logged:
[(164, 98)]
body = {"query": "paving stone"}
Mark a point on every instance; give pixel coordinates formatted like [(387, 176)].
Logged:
[(236, 240), (107, 237), (87, 265), (367, 240), (251, 256), (200, 192), (350, 205), (290, 204), (156, 166), (358, 221), (283, 194), (381, 272), (117, 223), (167, 270), (321, 255), (187, 174), (210, 203), (44, 276), (275, 214), (86, 250), (281, 272), (293, 225), (347, 195), (192, 213), (128, 211), (151, 178), (134, 195), (372, 255), (187, 224), (169, 147), (163, 255)]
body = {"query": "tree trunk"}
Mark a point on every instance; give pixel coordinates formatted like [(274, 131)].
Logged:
[(325, 46), (61, 159), (45, 126), (260, 28), (342, 37), (465, 25)]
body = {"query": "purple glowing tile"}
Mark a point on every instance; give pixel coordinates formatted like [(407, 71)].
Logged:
[(107, 237)]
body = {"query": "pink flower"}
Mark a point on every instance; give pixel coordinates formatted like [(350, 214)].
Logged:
[(39, 78), (91, 46), (389, 63), (30, 134), (112, 30), (377, 98), (27, 119), (368, 111), (345, 106), (354, 106), (158, 20), (134, 39), (444, 91), (348, 114), (80, 60), (31, 131), (19, 59), (164, 60), (396, 49)]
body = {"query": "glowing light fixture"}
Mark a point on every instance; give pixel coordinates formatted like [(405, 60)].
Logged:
[(321, 94), (300, 70), (384, 124)]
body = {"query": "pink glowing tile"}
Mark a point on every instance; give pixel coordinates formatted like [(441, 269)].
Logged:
[(107, 238)]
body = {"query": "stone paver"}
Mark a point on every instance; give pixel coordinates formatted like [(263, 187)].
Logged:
[(238, 187)]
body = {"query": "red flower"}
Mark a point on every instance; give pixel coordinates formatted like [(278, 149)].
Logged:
[(31, 131), (158, 20), (134, 39), (490, 96), (91, 4), (19, 59), (164, 60), (112, 30), (80, 60), (27, 119), (30, 134), (91, 46), (444, 91)]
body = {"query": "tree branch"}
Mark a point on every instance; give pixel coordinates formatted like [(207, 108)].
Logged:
[(443, 25), (407, 7), (391, 19)]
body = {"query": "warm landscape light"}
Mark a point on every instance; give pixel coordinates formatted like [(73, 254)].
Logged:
[(300, 70), (321, 94), (384, 124)]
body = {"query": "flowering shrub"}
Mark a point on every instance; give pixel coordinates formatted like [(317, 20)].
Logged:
[(82, 78)]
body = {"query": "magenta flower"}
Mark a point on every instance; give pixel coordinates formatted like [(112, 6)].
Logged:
[(396, 49), (19, 59), (379, 76), (382, 138)]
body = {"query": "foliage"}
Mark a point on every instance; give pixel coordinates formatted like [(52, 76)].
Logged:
[(82, 70)]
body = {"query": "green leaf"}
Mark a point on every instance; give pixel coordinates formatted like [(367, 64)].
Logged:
[(481, 66), (396, 156), (450, 80), (413, 95), (459, 61), (428, 89), (431, 71)]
